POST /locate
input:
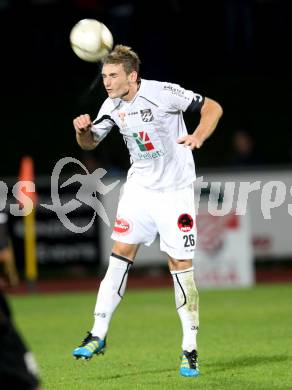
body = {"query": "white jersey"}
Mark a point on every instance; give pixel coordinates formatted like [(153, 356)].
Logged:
[(151, 124)]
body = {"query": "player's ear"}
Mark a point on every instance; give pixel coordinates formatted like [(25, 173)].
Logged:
[(133, 76)]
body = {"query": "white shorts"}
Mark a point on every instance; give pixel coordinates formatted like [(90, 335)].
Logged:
[(142, 213)]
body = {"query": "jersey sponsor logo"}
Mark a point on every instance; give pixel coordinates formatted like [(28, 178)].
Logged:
[(185, 222), (143, 141), (150, 155), (175, 91), (122, 226), (180, 92), (146, 115)]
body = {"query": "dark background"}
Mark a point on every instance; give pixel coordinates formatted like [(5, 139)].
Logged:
[(236, 52)]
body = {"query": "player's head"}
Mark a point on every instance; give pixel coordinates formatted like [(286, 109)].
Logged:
[(120, 72)]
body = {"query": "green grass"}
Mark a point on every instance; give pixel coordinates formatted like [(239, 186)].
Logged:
[(245, 340)]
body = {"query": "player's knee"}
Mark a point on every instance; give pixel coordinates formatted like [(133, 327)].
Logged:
[(179, 265), (127, 251)]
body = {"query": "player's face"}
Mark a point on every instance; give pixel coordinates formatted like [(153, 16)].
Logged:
[(117, 83)]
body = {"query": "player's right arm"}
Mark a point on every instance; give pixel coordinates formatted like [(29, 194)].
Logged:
[(84, 136), (90, 133)]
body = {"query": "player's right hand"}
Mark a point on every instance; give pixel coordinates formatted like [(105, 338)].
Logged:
[(82, 124)]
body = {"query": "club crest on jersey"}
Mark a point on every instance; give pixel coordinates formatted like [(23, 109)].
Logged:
[(185, 222), (146, 115)]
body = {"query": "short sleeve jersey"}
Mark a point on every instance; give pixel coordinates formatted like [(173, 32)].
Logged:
[(151, 124)]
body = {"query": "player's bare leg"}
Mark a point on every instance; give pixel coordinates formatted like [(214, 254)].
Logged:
[(128, 251), (187, 304), (111, 291)]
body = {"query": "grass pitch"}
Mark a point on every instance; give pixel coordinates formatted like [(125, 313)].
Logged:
[(245, 340)]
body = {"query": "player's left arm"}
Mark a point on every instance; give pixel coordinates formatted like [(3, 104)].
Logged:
[(211, 112)]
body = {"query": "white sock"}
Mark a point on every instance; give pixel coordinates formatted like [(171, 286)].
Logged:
[(111, 291), (187, 305)]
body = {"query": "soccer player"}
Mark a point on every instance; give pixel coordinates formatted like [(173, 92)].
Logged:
[(18, 369), (158, 196)]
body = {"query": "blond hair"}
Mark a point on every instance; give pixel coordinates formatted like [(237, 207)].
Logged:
[(123, 55)]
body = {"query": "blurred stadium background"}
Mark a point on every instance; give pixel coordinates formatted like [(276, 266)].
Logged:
[(236, 52)]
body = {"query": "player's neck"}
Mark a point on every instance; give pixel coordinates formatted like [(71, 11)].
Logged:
[(133, 89)]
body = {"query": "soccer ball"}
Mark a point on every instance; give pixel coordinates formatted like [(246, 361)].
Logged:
[(90, 40)]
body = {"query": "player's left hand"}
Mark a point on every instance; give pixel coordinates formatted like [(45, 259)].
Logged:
[(190, 141)]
